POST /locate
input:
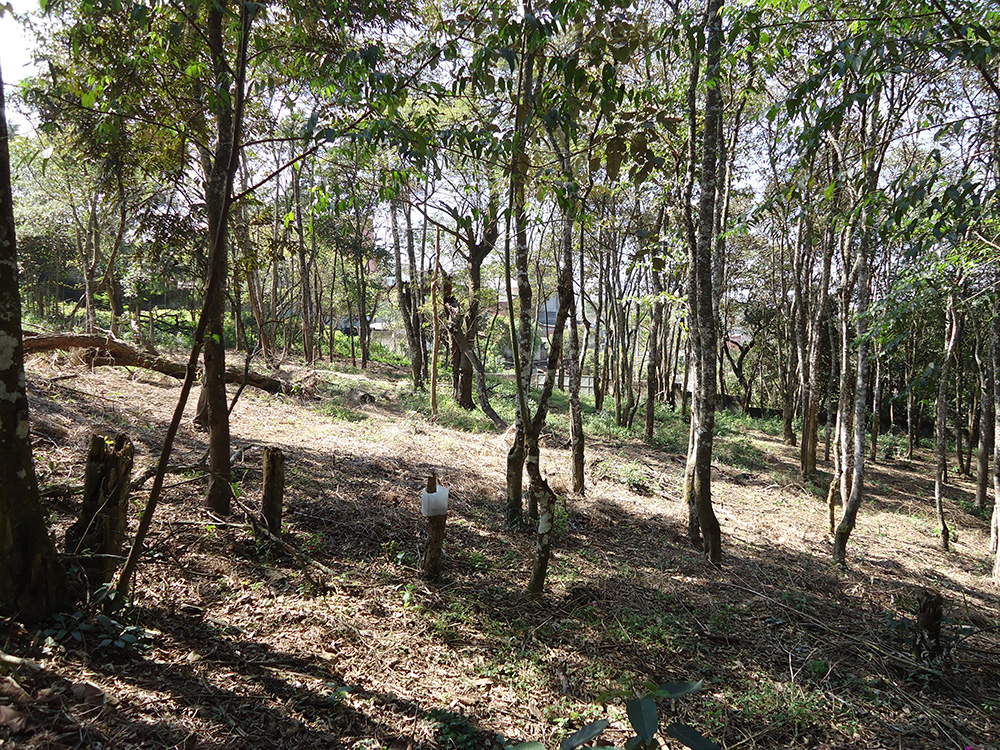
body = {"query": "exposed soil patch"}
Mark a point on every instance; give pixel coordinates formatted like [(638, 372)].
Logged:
[(242, 651)]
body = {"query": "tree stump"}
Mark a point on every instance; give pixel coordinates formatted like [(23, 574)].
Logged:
[(433, 554), (99, 533), (927, 636), (274, 488)]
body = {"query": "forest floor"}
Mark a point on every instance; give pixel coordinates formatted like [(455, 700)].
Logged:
[(240, 649)]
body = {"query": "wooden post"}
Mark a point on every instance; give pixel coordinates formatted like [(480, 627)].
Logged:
[(100, 530), (274, 488), (435, 537)]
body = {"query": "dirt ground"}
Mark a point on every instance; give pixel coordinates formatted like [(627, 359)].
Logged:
[(243, 648)]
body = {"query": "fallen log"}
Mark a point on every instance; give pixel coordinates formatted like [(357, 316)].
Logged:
[(107, 351)]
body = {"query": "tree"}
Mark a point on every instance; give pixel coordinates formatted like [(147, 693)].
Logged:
[(32, 582), (704, 326)]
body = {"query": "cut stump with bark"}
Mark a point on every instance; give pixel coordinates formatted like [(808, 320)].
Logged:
[(434, 552), (274, 488), (99, 533)]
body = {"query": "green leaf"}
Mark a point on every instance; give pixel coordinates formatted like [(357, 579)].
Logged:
[(615, 153), (690, 737), (677, 689), (642, 715), (526, 746), (585, 735)]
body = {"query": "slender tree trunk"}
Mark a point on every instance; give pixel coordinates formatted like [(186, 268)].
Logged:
[(876, 408), (861, 413), (652, 365), (702, 313), (218, 185), (305, 301), (986, 427), (577, 438), (995, 521), (521, 332), (941, 415)]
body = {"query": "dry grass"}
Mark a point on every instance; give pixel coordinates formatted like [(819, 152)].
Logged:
[(244, 653)]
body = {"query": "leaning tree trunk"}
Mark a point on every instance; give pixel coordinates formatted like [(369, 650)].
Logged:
[(32, 581)]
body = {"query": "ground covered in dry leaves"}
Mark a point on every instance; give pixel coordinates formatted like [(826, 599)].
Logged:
[(242, 648)]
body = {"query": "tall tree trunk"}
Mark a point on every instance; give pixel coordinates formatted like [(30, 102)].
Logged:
[(652, 365), (523, 331), (995, 521), (305, 297), (941, 415), (218, 187), (986, 424), (876, 408), (404, 298), (32, 580), (847, 521), (572, 358), (699, 488)]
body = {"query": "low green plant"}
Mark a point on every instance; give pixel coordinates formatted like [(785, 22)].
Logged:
[(969, 506), (101, 625), (454, 732), (643, 716), (791, 708), (339, 411), (740, 451)]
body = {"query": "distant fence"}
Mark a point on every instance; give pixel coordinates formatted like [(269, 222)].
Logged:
[(538, 378)]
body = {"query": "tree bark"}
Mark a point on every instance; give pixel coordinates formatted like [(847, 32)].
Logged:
[(995, 521), (404, 299), (986, 428), (698, 488), (218, 186), (100, 530), (32, 580), (847, 521), (274, 488), (522, 333), (941, 415)]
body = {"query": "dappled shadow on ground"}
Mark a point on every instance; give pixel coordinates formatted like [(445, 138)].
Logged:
[(246, 652)]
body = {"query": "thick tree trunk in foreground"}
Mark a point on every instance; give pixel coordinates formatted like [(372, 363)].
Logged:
[(218, 184), (32, 581)]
